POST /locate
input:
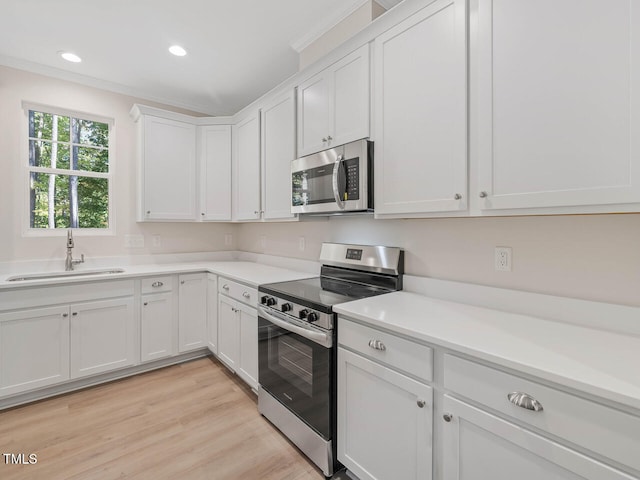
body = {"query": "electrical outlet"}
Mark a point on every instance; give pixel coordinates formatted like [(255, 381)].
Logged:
[(156, 240), (503, 256), (228, 239), (301, 244), (134, 241)]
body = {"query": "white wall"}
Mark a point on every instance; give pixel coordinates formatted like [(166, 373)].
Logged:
[(16, 86), (595, 257)]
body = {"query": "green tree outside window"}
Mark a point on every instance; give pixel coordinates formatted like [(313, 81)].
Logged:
[(69, 172)]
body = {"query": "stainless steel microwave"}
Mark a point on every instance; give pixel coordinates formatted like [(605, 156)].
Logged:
[(338, 180)]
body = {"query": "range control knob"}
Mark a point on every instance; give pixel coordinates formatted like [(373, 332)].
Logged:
[(267, 300), (303, 313), (286, 307), (312, 317)]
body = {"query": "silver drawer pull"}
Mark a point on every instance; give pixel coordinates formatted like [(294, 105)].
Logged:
[(377, 345), (157, 284), (246, 295), (524, 400), (225, 287)]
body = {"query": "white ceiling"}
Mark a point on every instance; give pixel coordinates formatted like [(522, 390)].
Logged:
[(237, 49)]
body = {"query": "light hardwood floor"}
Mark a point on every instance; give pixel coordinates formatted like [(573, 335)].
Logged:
[(193, 421)]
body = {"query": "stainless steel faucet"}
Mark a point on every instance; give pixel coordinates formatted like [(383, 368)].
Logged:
[(69, 261)]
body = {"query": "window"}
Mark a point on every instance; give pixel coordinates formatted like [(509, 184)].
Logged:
[(69, 170)]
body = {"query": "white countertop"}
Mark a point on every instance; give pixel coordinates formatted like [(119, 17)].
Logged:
[(250, 273), (594, 361)]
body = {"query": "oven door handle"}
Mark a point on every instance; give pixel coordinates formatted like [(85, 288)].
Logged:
[(336, 192), (324, 339)]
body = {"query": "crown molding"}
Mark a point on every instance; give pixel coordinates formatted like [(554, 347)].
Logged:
[(326, 24), (387, 4)]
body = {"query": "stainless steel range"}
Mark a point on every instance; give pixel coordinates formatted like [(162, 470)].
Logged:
[(297, 340)]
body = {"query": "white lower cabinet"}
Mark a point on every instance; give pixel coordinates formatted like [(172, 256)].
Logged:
[(384, 421), (212, 313), (34, 348), (103, 336), (478, 446), (156, 327), (192, 319), (238, 329), (228, 332), (247, 368)]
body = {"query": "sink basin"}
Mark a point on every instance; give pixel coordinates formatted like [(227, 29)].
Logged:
[(72, 273)]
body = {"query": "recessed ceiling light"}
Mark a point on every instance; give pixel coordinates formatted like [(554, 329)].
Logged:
[(177, 50), (70, 57)]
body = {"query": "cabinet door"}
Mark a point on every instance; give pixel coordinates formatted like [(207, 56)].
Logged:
[(420, 109), (248, 358), (228, 332), (349, 106), (192, 318), (212, 313), (156, 327), (384, 421), (278, 151), (475, 441), (246, 140), (313, 114), (103, 336), (168, 170), (214, 153), (557, 117), (34, 349)]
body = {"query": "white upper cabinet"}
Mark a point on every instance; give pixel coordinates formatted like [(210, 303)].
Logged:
[(246, 168), (333, 105), (214, 155), (557, 120), (420, 112), (278, 151), (168, 175)]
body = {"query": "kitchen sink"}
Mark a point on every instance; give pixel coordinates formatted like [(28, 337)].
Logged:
[(72, 273)]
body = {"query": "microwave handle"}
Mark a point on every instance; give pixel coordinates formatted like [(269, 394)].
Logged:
[(336, 193)]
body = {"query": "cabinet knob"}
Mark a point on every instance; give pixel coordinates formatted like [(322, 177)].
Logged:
[(421, 403), (329, 138), (377, 345), (246, 295), (74, 314), (483, 194), (181, 282), (225, 287), (324, 140), (202, 214), (457, 196), (524, 400), (65, 315), (148, 212), (146, 303), (157, 284), (447, 417)]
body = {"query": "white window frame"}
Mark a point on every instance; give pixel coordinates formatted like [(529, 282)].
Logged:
[(27, 230)]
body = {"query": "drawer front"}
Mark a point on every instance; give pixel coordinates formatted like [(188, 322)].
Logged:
[(157, 284), (238, 291), (405, 355), (596, 427)]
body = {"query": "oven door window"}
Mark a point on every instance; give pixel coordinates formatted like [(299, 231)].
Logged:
[(296, 371)]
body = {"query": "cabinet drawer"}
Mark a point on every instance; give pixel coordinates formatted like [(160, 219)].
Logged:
[(238, 291), (596, 427), (405, 355), (157, 284)]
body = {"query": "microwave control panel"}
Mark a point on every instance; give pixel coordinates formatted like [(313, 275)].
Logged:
[(352, 192)]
